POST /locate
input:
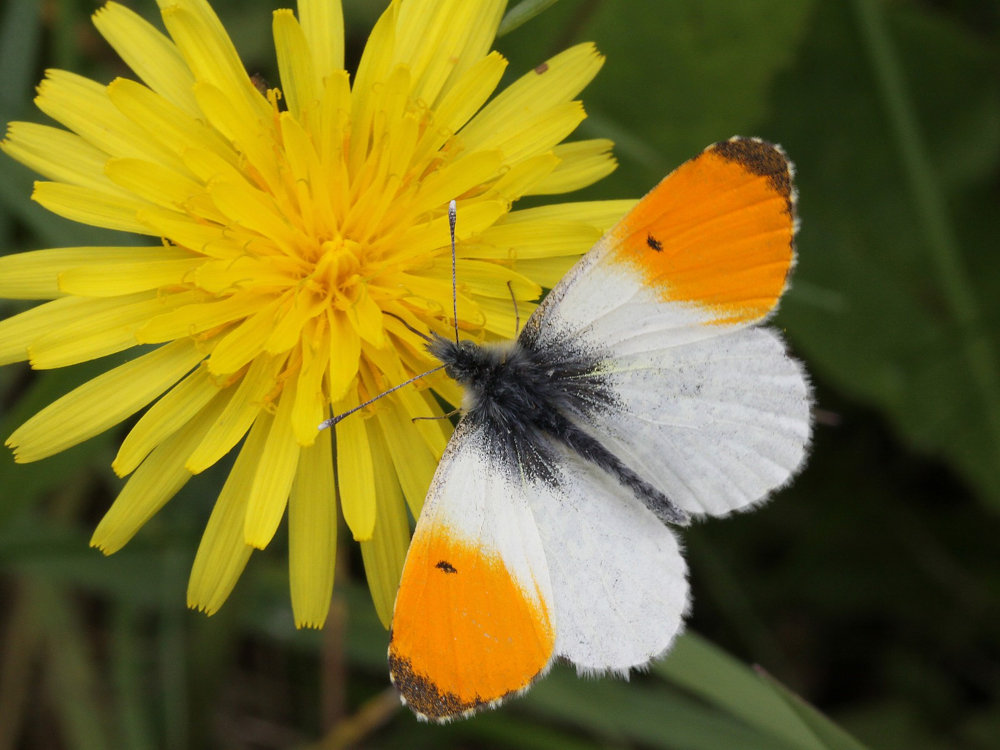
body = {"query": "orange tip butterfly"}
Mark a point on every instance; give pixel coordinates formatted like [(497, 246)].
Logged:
[(642, 392)]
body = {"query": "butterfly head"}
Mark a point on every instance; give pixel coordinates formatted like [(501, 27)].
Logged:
[(463, 360)]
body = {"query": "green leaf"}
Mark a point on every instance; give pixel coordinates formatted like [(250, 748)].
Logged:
[(711, 674), (639, 711), (829, 734)]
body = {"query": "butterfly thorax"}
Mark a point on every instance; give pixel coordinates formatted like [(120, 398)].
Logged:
[(503, 381)]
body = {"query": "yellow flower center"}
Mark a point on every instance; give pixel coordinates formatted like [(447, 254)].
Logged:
[(338, 272)]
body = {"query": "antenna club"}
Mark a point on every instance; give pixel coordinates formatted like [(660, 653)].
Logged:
[(331, 422)]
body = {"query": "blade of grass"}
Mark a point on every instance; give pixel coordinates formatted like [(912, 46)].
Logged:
[(20, 31), (128, 676), (716, 677), (831, 735), (355, 729), (942, 241), (20, 647), (66, 50), (641, 712), (72, 675), (173, 650), (521, 14)]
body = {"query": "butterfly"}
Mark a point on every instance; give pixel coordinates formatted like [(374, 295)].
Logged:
[(641, 392)]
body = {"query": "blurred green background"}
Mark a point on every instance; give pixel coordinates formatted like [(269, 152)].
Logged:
[(870, 587)]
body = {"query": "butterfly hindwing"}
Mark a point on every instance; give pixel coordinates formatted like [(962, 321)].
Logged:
[(619, 581), (716, 424), (474, 620), (566, 565)]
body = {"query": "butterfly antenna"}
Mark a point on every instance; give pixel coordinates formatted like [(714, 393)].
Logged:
[(517, 313), (452, 218), (334, 420), (410, 328)]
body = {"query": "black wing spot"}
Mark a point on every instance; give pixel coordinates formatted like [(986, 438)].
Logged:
[(654, 243), (446, 566)]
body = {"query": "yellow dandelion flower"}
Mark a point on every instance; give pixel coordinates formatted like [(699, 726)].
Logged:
[(298, 229)]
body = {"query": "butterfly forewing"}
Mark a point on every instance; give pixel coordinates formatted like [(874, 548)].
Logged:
[(716, 424), (474, 619), (705, 406), (709, 247)]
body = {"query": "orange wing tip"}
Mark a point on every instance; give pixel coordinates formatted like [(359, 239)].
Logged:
[(769, 160), (466, 634), (718, 232), (419, 693)]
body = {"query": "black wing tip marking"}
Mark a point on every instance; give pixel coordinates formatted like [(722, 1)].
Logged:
[(767, 160), (425, 699), (760, 158)]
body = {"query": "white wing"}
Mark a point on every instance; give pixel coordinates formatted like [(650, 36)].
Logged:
[(715, 425), (713, 417), (618, 578)]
